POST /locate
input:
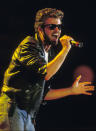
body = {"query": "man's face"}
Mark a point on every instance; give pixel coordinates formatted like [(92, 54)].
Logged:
[(52, 30)]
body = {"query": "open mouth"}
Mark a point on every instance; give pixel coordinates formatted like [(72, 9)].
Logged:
[(55, 35)]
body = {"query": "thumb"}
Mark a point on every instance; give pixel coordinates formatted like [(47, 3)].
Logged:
[(78, 78), (77, 81)]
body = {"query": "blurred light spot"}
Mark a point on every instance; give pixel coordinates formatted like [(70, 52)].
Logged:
[(85, 71)]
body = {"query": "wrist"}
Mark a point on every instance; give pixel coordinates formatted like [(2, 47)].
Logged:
[(66, 48), (72, 90)]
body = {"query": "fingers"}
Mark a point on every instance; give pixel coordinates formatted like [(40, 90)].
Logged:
[(87, 93), (86, 83), (77, 80), (65, 41), (82, 87), (90, 87), (66, 37)]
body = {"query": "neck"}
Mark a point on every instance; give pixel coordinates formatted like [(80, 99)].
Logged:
[(47, 47)]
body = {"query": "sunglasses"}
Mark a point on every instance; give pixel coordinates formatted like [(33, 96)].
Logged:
[(52, 26)]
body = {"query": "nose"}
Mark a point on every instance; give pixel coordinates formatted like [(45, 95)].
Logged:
[(56, 29)]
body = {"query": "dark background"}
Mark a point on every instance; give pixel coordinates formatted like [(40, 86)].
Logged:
[(16, 21)]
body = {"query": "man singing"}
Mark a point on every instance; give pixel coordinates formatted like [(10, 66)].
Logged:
[(33, 64)]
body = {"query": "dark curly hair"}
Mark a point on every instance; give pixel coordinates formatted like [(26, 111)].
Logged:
[(43, 14)]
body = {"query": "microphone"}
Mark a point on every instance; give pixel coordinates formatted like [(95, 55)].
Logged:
[(76, 43)]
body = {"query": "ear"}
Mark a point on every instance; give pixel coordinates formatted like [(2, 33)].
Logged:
[(40, 29)]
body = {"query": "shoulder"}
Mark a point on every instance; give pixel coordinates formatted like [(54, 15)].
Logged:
[(28, 40), (29, 43)]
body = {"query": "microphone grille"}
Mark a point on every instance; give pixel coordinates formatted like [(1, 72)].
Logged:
[(80, 44)]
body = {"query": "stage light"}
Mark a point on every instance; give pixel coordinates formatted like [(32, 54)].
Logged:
[(85, 71)]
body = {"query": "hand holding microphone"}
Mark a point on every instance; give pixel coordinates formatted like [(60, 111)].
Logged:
[(65, 42), (69, 41)]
